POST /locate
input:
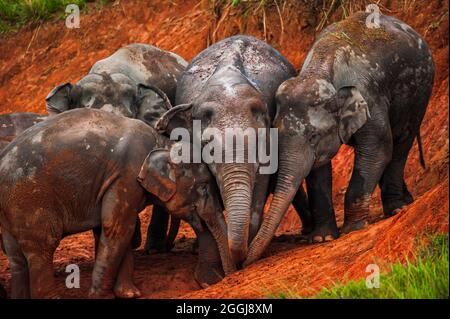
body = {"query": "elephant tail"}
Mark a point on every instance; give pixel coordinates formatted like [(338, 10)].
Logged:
[(421, 157)]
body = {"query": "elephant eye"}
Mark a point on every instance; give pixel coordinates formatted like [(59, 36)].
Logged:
[(205, 114), (204, 189), (202, 192), (314, 138), (258, 110), (259, 115), (88, 100)]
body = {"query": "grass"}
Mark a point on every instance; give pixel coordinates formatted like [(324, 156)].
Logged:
[(16, 13), (426, 277)]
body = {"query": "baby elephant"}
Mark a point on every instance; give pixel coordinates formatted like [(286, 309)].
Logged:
[(78, 171)]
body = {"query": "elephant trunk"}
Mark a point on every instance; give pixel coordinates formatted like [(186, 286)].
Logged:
[(218, 229), (296, 160), (236, 182)]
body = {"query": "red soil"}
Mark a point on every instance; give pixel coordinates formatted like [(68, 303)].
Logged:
[(36, 59)]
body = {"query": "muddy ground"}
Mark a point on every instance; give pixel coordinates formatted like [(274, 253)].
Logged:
[(41, 56)]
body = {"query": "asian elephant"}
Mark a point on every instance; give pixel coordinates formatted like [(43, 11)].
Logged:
[(232, 85), (137, 81), (99, 161), (364, 86)]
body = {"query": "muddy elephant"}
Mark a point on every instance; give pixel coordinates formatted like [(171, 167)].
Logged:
[(232, 85), (12, 124), (95, 158), (362, 86), (137, 81)]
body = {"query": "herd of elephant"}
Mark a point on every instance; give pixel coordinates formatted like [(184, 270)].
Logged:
[(103, 152)]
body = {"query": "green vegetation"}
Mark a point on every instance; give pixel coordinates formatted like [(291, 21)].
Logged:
[(426, 277), (16, 13)]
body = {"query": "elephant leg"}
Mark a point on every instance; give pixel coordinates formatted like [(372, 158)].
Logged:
[(173, 232), (97, 231), (373, 152), (157, 230), (301, 205), (319, 186), (260, 194), (42, 281), (20, 283), (209, 266), (137, 236), (118, 226), (135, 242), (125, 287), (38, 245), (38, 248), (394, 192)]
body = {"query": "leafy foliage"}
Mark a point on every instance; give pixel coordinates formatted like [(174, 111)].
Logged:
[(16, 13)]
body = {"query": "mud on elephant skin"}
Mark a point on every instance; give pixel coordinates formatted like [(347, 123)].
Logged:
[(232, 85), (368, 88), (13, 124), (95, 161)]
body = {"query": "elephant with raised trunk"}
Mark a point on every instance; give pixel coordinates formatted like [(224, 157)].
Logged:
[(107, 168), (232, 84), (365, 87)]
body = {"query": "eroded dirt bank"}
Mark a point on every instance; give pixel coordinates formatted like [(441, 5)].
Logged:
[(35, 60)]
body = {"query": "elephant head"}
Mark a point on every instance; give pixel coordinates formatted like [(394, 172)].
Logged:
[(230, 108), (314, 117), (114, 93), (189, 192)]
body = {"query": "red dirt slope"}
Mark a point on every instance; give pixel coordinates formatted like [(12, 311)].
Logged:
[(35, 60)]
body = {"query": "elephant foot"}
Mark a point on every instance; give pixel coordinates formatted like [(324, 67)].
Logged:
[(156, 246), (324, 233), (126, 290), (353, 226), (207, 275), (396, 211), (394, 208), (307, 229)]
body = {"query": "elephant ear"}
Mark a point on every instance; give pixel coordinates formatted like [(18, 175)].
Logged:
[(157, 175), (354, 112), (177, 116), (152, 103), (58, 100)]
